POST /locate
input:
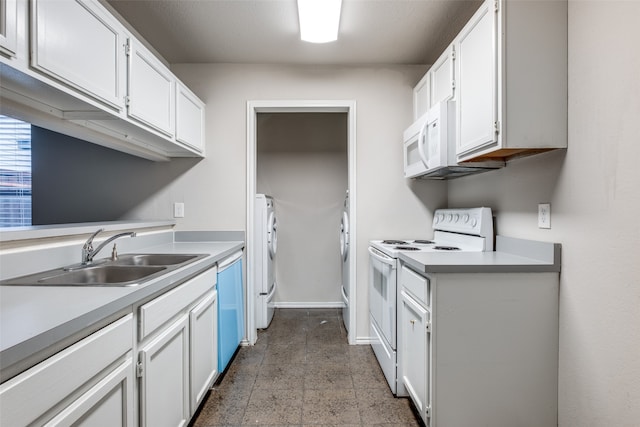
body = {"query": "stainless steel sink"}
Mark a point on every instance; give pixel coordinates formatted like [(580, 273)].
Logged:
[(103, 275), (153, 259), (127, 270)]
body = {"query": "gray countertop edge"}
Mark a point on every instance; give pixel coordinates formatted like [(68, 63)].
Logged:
[(39, 347), (512, 255)]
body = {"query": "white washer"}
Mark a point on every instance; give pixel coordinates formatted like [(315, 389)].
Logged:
[(266, 246), (344, 253)]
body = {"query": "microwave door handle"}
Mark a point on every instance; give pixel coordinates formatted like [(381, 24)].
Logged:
[(424, 134)]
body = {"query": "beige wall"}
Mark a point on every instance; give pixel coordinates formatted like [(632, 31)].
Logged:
[(302, 164), (214, 190), (595, 202)]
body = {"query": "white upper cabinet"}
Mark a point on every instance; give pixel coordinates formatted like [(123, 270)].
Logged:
[(8, 27), (442, 77), (189, 118), (151, 90), (73, 67), (477, 95), (511, 83), (436, 85), (80, 44), (422, 96)]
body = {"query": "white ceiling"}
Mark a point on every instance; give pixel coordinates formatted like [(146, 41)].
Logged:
[(266, 31)]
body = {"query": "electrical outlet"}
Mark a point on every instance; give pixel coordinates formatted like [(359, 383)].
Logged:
[(544, 215), (178, 210)]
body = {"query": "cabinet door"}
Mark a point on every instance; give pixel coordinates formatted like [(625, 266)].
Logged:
[(9, 27), (80, 44), (35, 393), (203, 334), (442, 77), (151, 94), (477, 96), (189, 118), (108, 403), (422, 96), (164, 386), (415, 330)]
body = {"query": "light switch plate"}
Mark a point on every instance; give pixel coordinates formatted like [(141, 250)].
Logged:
[(544, 215), (178, 210)]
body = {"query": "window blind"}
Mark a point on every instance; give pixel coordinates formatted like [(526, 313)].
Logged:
[(15, 172)]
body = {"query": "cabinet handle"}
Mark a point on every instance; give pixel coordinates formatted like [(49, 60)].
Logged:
[(413, 322)]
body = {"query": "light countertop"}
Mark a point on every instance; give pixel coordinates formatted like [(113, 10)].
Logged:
[(37, 321), (511, 256)]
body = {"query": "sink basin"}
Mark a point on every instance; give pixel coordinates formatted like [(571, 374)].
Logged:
[(154, 259), (100, 275), (127, 270)]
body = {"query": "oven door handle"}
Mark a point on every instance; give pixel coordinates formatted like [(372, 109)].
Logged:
[(376, 254)]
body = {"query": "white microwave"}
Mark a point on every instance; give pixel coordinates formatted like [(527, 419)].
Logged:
[(429, 147)]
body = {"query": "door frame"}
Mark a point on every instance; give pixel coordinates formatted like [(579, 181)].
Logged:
[(299, 106)]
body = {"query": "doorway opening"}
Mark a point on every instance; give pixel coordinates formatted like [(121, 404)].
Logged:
[(259, 112)]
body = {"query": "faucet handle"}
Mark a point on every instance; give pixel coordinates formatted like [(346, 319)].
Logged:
[(87, 248), (89, 241)]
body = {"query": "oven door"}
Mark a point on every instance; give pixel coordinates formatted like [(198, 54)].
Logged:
[(382, 294)]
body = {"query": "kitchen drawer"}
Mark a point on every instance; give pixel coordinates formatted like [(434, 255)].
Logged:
[(416, 284), (162, 309), (30, 395)]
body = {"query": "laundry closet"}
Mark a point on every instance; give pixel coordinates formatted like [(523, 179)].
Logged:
[(302, 164)]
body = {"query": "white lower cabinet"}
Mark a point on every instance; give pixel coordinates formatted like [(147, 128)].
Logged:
[(177, 359), (94, 382), (480, 348), (87, 384), (415, 330), (203, 321), (108, 403), (164, 384)]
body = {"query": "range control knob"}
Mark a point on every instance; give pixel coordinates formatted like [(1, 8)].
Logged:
[(456, 217), (449, 217), (474, 222), (465, 218)]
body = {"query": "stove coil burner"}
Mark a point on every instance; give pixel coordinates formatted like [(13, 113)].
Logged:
[(446, 248), (394, 242), (407, 248), (423, 242)]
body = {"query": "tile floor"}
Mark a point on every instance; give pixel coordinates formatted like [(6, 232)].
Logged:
[(302, 372)]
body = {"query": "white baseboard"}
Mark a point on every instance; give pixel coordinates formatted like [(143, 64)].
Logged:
[(338, 304), (364, 340)]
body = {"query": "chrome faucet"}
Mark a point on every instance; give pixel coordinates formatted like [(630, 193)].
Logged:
[(87, 249)]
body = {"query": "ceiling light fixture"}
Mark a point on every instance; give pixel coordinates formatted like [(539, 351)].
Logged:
[(319, 20)]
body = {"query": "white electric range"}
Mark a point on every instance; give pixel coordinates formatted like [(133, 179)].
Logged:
[(455, 230)]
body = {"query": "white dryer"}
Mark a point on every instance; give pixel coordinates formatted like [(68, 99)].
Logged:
[(344, 253), (266, 245)]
